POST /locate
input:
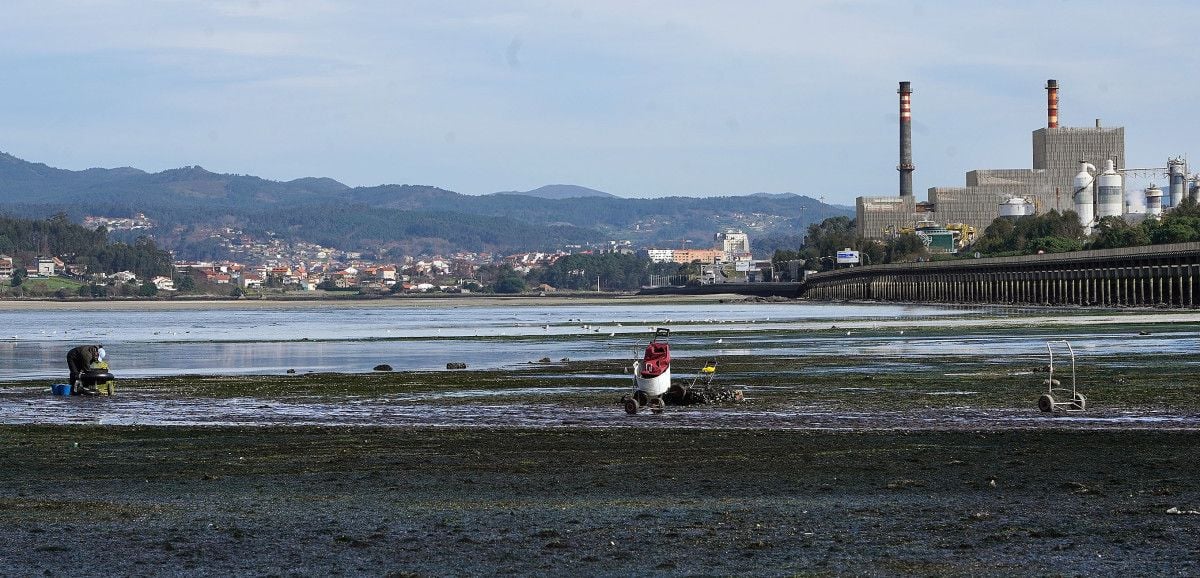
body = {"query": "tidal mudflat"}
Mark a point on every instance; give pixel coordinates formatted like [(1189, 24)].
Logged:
[(93, 500), (889, 450)]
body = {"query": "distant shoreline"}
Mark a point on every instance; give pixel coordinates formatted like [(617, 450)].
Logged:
[(396, 302)]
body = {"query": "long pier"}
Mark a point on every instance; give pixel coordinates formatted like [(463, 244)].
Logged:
[(1151, 276)]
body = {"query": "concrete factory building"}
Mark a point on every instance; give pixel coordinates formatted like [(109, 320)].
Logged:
[(1057, 152)]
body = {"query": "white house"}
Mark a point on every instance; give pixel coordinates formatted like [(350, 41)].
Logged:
[(46, 266), (250, 280), (386, 273), (163, 283)]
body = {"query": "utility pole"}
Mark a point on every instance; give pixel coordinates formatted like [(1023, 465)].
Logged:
[(597, 283)]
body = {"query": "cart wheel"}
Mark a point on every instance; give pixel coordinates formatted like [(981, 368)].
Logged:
[(631, 406), (657, 405), (1046, 403), (639, 396), (1079, 403), (684, 393)]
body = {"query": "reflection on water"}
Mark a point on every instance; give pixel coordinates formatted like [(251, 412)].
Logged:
[(328, 338)]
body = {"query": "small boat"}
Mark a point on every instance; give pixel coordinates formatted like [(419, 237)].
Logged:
[(652, 375)]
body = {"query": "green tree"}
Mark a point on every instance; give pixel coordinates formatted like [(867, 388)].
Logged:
[(1174, 230), (1053, 245), (826, 238), (18, 277), (905, 248), (148, 289), (185, 283), (1113, 232), (1049, 232), (617, 271), (509, 282)]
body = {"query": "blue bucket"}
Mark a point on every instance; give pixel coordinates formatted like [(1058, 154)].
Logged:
[(60, 389)]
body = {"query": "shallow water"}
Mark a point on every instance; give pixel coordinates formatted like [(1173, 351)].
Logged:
[(354, 340), (338, 339), (331, 339)]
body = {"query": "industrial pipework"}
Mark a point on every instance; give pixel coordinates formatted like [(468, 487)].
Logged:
[(1083, 197), (906, 163)]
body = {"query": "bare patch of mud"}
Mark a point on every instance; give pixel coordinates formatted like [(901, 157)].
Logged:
[(524, 407)]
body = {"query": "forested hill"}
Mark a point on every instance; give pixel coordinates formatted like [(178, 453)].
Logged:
[(27, 239), (406, 216)]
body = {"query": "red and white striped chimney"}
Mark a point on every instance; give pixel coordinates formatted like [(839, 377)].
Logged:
[(906, 162), (1051, 103)]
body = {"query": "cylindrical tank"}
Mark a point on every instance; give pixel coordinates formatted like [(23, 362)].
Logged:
[(1110, 200), (1154, 197), (1015, 208), (1177, 171), (1194, 192), (1083, 197)]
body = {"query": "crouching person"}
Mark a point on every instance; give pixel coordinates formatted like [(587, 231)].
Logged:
[(79, 360)]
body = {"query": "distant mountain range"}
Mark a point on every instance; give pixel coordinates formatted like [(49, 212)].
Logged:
[(415, 219), (559, 192)]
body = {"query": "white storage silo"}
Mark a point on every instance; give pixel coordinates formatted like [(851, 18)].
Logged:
[(1015, 207), (1177, 172), (1109, 198), (1154, 197)]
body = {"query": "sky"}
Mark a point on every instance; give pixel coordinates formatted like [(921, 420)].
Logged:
[(634, 98)]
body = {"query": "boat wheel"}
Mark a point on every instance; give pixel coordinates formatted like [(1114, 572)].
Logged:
[(657, 405), (631, 406), (1046, 403)]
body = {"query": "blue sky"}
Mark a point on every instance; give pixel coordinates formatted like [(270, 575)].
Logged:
[(640, 99)]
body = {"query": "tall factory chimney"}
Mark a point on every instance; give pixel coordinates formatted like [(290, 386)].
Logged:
[(1051, 103), (906, 165)]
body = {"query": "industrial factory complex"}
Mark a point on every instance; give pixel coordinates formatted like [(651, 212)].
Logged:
[(1074, 168)]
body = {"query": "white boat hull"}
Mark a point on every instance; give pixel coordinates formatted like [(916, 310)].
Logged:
[(651, 386)]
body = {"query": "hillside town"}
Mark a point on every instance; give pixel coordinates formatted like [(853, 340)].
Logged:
[(272, 263)]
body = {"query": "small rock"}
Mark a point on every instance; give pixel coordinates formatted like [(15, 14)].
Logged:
[(565, 359), (291, 371), (383, 367), (456, 365), (544, 360)]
